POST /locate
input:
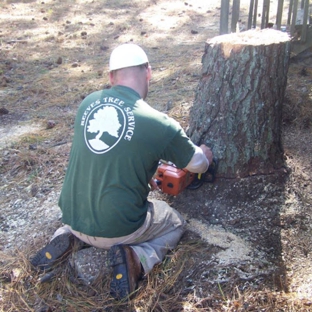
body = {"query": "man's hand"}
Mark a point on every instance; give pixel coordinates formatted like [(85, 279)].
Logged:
[(153, 185), (208, 153)]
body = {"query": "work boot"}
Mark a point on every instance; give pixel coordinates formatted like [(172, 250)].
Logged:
[(58, 246), (127, 271)]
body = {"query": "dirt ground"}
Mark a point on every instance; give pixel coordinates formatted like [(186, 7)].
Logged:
[(248, 243)]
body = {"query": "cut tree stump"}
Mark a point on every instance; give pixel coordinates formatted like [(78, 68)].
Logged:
[(238, 104)]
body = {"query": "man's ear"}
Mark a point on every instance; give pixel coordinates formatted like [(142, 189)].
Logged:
[(111, 78), (149, 72)]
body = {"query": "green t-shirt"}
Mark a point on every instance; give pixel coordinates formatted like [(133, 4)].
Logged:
[(118, 142)]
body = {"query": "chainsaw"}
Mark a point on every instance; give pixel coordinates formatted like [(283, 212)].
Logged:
[(172, 180)]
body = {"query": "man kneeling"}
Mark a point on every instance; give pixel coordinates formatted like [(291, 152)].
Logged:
[(118, 142)]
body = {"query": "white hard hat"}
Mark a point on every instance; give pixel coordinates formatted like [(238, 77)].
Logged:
[(127, 55)]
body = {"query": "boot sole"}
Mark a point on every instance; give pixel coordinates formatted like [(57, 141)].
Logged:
[(119, 287), (45, 258)]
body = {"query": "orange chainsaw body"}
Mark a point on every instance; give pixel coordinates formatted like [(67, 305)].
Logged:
[(172, 180)]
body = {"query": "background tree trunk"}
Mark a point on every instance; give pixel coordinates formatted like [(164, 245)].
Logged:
[(238, 103)]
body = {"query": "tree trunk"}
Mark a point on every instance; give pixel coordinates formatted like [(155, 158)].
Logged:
[(238, 103)]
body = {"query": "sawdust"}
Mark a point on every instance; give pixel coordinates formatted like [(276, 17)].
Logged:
[(235, 249)]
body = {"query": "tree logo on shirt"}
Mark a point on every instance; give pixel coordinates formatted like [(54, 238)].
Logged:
[(104, 128)]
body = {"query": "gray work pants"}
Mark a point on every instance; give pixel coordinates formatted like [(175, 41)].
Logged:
[(161, 232)]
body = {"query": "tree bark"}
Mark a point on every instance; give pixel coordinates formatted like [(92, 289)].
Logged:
[(238, 104)]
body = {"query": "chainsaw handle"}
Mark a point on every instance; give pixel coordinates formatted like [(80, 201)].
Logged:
[(208, 176)]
